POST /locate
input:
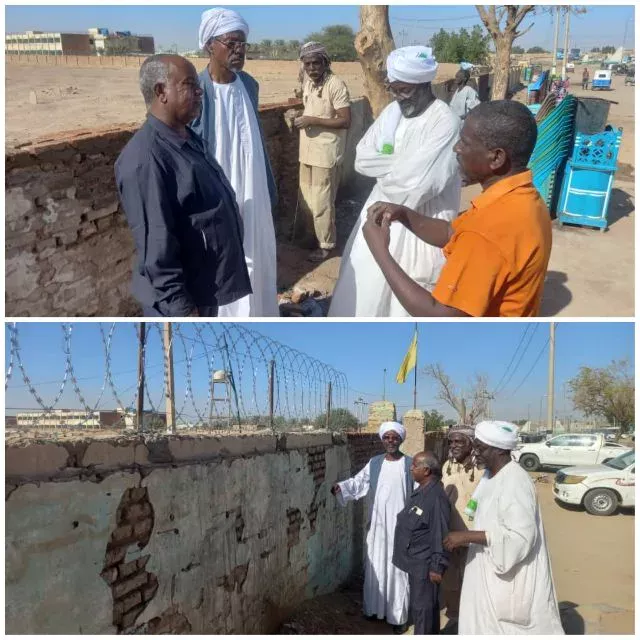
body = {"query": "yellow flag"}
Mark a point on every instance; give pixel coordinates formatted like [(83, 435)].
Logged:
[(409, 360)]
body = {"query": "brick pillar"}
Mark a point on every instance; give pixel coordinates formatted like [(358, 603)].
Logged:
[(379, 412), (413, 422)]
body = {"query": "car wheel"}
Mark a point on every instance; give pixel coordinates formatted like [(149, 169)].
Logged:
[(530, 462), (601, 502)]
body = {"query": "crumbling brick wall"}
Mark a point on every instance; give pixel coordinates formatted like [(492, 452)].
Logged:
[(175, 534), (68, 250)]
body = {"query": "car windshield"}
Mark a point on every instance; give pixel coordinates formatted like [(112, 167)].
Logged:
[(622, 461)]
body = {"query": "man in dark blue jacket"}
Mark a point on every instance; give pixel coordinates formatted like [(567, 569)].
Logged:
[(178, 203), (421, 527)]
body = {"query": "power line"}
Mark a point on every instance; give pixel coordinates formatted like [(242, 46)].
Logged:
[(533, 333), (469, 17), (513, 357), (532, 368)]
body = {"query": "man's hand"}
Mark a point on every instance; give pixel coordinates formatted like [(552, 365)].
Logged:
[(303, 122), (381, 212), (455, 539), (377, 236), (435, 578), (336, 489)]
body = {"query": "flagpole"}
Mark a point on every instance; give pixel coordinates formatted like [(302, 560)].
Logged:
[(415, 372)]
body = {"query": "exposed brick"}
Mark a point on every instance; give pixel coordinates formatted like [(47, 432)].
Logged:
[(128, 568), (109, 575), (137, 494), (123, 588), (122, 534), (139, 511), (143, 528), (130, 617), (150, 590), (132, 600)]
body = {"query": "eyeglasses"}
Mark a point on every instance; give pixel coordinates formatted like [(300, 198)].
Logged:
[(233, 44), (403, 94)]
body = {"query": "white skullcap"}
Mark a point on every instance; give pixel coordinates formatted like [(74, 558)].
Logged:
[(392, 426), (414, 65), (498, 434), (216, 22)]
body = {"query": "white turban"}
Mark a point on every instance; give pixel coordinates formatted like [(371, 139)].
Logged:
[(414, 65), (216, 22), (498, 434), (392, 426)]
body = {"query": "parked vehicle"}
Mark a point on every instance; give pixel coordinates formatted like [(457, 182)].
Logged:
[(601, 80), (630, 78), (571, 67), (568, 449), (600, 488)]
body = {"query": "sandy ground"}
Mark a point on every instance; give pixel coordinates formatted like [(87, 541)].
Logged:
[(593, 568), (590, 273), (72, 98)]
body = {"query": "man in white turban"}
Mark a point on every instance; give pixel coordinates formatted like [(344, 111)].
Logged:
[(409, 151), (230, 127), (508, 586), (388, 481)]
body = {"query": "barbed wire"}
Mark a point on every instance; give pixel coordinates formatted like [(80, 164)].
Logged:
[(226, 376)]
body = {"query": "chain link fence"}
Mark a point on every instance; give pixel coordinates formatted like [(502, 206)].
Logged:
[(127, 378)]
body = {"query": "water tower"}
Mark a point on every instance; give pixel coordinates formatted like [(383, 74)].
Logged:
[(220, 383)]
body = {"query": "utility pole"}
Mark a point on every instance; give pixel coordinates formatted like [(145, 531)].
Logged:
[(555, 41), (402, 33), (140, 404), (565, 58), (168, 354), (552, 356), (384, 384), (415, 372)]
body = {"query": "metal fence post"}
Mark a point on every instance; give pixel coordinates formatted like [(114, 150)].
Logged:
[(272, 366), (168, 354), (328, 406), (140, 407)]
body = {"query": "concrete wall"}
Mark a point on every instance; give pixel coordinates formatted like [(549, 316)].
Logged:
[(75, 60), (186, 535)]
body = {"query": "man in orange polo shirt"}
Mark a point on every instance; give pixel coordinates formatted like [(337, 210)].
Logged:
[(498, 250)]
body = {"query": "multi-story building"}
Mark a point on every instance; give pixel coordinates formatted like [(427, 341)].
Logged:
[(74, 418), (97, 41)]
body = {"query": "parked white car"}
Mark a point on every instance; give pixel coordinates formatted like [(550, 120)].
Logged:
[(600, 488), (567, 450)]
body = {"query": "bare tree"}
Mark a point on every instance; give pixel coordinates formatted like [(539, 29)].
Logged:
[(503, 37), (470, 403), (373, 44)]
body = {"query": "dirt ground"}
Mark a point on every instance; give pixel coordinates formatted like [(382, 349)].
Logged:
[(71, 98), (590, 273), (592, 560)]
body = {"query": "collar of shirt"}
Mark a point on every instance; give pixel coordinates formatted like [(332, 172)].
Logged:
[(425, 488), (501, 188), (169, 134)]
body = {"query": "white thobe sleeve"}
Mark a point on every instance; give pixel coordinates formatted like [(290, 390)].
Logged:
[(422, 174), (354, 488), (513, 533), (369, 161), (472, 100)]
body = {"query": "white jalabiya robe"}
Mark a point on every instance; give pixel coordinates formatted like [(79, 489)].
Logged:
[(240, 154), (508, 585), (421, 174), (386, 588)]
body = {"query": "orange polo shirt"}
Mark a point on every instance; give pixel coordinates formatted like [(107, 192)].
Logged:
[(498, 255)]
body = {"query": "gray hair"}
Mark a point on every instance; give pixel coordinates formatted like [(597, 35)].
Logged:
[(154, 70), (430, 461)]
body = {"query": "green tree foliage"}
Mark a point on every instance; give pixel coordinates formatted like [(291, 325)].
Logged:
[(608, 49), (463, 46), (266, 44), (606, 393), (595, 50), (339, 420), (433, 420), (536, 50), (338, 39), (517, 49), (294, 45)]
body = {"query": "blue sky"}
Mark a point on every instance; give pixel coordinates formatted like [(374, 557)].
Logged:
[(178, 24), (361, 350)]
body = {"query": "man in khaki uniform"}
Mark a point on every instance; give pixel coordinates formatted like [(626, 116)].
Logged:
[(323, 133), (460, 478)]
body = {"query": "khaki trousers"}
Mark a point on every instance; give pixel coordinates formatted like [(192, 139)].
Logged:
[(318, 188)]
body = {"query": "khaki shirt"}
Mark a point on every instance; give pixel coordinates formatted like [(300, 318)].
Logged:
[(320, 147)]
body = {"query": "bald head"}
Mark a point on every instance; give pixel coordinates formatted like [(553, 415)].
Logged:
[(508, 125), (428, 460), (157, 69)]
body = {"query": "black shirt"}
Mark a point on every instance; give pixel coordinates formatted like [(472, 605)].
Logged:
[(185, 222), (420, 529)]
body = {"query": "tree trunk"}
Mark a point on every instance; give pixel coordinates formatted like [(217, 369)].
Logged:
[(502, 66), (373, 44)]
